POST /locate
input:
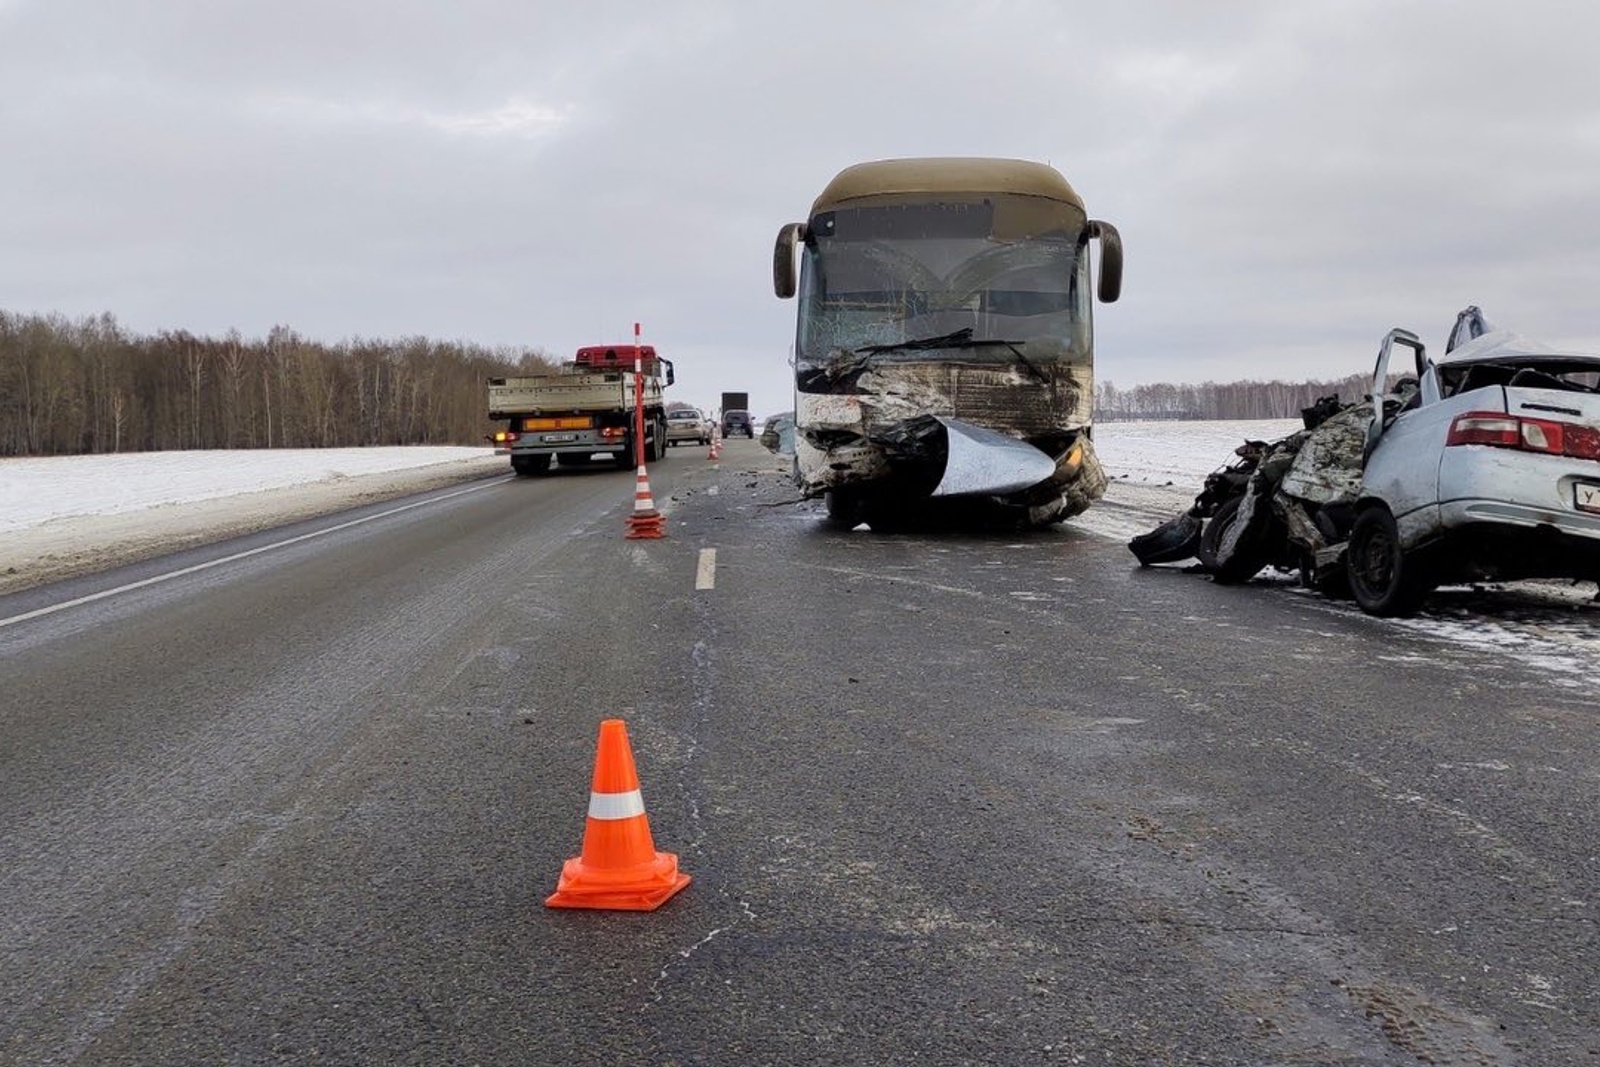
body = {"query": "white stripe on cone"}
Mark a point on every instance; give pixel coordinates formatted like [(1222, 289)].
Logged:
[(612, 806), (642, 500)]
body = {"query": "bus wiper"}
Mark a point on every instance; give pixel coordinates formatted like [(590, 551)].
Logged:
[(959, 339)]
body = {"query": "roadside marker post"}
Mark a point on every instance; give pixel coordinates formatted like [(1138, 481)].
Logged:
[(619, 868), (644, 522)]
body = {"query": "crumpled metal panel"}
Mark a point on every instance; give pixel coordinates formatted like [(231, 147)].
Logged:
[(1327, 467), (982, 461)]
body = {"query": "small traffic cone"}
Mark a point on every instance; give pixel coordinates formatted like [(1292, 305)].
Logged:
[(620, 869), (645, 523), (716, 445)]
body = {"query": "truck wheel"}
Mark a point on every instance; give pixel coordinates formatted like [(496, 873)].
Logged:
[(530, 466), (659, 449), (1384, 578)]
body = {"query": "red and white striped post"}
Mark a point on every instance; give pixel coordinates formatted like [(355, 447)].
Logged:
[(644, 523), (638, 401)]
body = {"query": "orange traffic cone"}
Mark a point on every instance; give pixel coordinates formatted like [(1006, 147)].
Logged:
[(716, 445), (620, 868), (645, 523)]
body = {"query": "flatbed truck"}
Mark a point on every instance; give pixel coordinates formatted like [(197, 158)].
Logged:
[(587, 407)]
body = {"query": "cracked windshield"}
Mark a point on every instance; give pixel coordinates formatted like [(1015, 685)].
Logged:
[(936, 279)]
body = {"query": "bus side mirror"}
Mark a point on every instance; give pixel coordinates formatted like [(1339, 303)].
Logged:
[(1110, 260), (784, 275)]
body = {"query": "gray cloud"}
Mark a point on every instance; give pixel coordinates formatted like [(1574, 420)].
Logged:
[(1291, 179)]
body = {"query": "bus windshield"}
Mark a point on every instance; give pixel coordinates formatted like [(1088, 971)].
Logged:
[(932, 280)]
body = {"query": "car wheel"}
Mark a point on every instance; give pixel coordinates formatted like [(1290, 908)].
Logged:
[(844, 509), (1385, 579), (1246, 560)]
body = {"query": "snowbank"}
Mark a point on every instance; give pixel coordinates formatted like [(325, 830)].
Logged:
[(39, 490), (68, 515)]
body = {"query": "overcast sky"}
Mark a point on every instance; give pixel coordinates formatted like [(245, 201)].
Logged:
[(1290, 178)]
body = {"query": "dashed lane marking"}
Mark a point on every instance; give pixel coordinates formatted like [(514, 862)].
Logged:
[(705, 573)]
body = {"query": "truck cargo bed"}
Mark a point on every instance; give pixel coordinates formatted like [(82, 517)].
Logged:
[(554, 393)]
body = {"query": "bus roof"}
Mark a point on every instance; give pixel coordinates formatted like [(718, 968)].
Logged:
[(965, 176)]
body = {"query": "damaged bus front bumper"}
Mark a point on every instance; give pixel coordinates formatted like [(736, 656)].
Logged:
[(846, 446)]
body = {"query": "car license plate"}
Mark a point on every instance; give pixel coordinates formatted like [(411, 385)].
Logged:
[(1587, 496), (557, 438)]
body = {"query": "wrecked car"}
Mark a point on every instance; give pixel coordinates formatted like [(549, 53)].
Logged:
[(1493, 473), (944, 349), (1288, 503), (1484, 466), (777, 433)]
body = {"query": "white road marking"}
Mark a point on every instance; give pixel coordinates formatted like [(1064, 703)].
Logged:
[(705, 574), (157, 579)]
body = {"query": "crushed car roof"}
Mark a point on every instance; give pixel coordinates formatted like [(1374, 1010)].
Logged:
[(1500, 345)]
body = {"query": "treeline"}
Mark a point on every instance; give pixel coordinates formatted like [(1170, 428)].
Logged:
[(88, 385), (1221, 400)]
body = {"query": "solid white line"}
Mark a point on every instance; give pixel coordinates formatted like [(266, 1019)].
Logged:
[(616, 805), (705, 573), (92, 597)]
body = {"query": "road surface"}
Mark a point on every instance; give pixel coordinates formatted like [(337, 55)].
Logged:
[(946, 799)]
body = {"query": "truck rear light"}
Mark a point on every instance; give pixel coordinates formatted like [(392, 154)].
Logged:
[(611, 432), (1529, 435), (505, 437)]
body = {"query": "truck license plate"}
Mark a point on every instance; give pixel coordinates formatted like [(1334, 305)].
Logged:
[(556, 438), (1587, 496)]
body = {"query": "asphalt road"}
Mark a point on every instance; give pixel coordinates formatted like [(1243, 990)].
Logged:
[(946, 799)]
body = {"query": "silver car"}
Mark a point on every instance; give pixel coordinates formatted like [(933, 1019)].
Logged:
[(687, 424), (1491, 471)]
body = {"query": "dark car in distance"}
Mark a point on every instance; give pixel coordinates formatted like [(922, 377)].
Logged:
[(737, 422)]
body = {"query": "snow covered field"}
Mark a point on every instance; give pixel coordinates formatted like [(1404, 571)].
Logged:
[(41, 490), (65, 515), (1182, 453)]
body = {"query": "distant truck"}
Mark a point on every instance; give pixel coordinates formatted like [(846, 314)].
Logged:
[(944, 344), (586, 407)]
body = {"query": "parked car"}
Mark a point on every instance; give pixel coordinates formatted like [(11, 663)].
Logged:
[(687, 424), (737, 422)]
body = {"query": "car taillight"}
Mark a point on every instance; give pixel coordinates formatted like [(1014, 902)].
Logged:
[(1542, 435), (1530, 435), (1484, 428)]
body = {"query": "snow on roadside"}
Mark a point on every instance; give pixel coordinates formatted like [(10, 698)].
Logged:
[(1156, 468), (37, 490), (1182, 453)]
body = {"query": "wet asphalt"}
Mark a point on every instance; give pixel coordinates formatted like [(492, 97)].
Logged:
[(946, 799)]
